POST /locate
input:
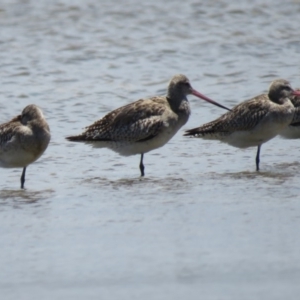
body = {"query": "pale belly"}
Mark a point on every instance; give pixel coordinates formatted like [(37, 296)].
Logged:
[(145, 146), (16, 159), (242, 139), (127, 148), (291, 132), (255, 137)]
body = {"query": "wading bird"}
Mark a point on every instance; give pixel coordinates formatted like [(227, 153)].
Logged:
[(23, 139), (252, 122), (144, 125)]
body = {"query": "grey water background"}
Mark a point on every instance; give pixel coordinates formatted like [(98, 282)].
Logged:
[(202, 224)]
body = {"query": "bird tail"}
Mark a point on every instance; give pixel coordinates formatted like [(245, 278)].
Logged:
[(76, 138), (196, 132), (208, 131)]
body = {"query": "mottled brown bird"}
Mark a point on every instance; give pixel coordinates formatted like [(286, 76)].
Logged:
[(144, 125), (24, 139), (253, 122), (293, 130)]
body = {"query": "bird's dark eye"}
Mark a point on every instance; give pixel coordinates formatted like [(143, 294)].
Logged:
[(287, 88)]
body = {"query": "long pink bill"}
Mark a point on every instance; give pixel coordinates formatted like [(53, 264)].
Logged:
[(296, 93), (197, 94)]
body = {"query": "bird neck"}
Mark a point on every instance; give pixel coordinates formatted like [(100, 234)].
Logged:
[(176, 102), (280, 101), (39, 126), (277, 98)]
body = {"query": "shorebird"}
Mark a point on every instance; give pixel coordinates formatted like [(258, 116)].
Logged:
[(23, 139), (293, 130), (252, 122), (143, 125)]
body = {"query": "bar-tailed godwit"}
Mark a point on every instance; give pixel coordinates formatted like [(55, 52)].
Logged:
[(253, 122), (293, 130), (23, 139), (144, 125)]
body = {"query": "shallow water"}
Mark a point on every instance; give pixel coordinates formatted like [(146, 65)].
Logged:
[(202, 224)]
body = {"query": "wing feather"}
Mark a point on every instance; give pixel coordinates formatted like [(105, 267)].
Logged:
[(8, 130), (244, 116), (137, 121), (296, 101)]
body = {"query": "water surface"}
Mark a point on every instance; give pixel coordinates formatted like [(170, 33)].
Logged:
[(202, 224)]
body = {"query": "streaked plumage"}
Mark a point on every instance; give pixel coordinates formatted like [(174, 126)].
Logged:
[(144, 125), (293, 130), (23, 139), (253, 122)]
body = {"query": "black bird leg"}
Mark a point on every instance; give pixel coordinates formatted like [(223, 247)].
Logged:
[(257, 158), (23, 178), (142, 168)]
